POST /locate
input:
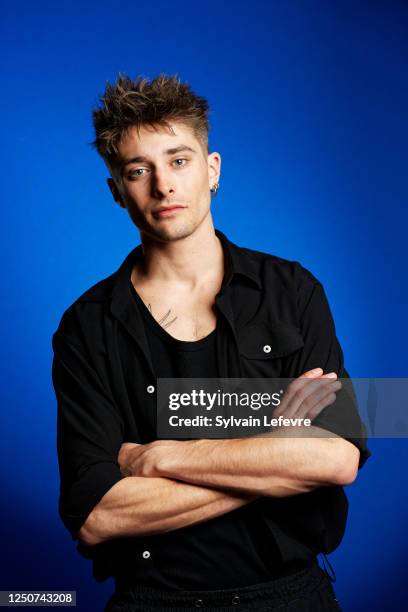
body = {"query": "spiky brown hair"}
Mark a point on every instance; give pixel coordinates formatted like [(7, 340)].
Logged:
[(134, 102)]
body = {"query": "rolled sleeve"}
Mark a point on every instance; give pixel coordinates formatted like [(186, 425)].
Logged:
[(89, 433), (322, 349)]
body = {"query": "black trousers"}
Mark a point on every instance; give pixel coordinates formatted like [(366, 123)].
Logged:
[(308, 590)]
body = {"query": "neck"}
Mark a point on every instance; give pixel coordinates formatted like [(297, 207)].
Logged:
[(190, 261)]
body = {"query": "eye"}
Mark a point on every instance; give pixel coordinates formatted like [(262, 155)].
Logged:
[(136, 173), (180, 162)]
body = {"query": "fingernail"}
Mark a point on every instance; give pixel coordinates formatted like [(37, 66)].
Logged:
[(332, 375), (316, 370)]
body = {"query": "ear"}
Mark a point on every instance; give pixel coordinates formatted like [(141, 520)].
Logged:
[(115, 192), (214, 168)]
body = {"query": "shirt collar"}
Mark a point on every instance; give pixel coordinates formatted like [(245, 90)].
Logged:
[(238, 261)]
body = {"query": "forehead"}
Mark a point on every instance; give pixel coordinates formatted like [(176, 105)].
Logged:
[(155, 139)]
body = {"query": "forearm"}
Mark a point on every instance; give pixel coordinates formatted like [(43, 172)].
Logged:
[(137, 506), (278, 464)]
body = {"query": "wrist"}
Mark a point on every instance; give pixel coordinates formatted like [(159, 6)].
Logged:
[(171, 456), (161, 457)]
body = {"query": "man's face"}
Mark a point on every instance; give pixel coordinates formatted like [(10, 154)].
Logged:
[(163, 177)]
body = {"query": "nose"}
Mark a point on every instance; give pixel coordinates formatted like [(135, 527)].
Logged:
[(162, 184)]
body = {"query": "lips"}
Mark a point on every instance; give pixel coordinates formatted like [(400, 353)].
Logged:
[(165, 211)]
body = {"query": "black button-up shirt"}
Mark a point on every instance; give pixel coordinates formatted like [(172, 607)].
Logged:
[(105, 386)]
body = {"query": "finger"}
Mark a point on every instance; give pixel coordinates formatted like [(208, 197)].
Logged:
[(320, 406), (293, 387), (305, 398), (124, 451), (298, 383), (312, 373), (316, 398), (127, 445), (296, 393)]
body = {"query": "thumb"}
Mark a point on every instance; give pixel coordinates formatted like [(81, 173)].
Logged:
[(125, 448), (312, 373)]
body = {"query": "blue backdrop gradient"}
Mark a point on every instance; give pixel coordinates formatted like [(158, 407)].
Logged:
[(309, 112)]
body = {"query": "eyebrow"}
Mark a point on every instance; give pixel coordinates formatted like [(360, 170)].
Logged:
[(142, 158)]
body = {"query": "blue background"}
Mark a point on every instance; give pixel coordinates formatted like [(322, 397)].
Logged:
[(309, 111)]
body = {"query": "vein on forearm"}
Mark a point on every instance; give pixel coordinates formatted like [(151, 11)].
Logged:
[(147, 506), (258, 463)]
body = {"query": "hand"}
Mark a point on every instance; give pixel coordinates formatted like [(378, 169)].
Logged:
[(124, 456), (308, 395), (143, 459), (135, 459)]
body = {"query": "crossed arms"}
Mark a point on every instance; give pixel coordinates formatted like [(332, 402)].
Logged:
[(172, 484)]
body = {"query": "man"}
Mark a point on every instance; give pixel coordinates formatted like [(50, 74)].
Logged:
[(220, 524)]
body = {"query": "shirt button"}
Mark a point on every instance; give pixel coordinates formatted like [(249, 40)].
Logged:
[(236, 600), (267, 348), (198, 603), (146, 554), (150, 389)]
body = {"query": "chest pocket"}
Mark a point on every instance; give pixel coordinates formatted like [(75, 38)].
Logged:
[(264, 347), (263, 341)]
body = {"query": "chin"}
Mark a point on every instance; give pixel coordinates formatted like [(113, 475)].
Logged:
[(171, 232)]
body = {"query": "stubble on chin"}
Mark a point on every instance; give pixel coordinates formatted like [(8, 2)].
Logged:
[(170, 234)]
